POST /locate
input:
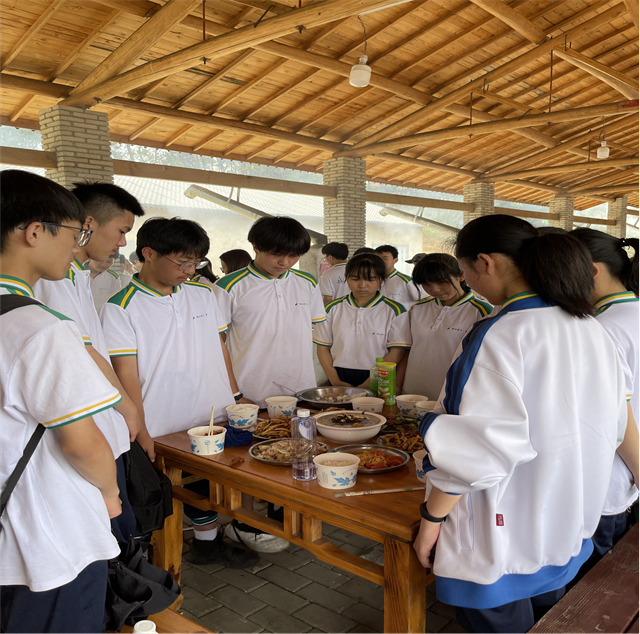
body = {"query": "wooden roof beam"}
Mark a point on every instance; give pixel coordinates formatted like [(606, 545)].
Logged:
[(513, 18), (235, 40), (632, 10), (200, 145), (623, 188), (607, 179), (627, 86)]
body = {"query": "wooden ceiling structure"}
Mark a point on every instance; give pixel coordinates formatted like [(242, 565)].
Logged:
[(514, 92)]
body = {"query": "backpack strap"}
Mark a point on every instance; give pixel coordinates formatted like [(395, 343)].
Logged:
[(9, 302)]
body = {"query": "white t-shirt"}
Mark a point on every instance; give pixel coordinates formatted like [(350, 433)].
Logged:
[(270, 331), (620, 316), (55, 523), (72, 297), (436, 332), (104, 285), (358, 335), (333, 283), (177, 344), (399, 288)]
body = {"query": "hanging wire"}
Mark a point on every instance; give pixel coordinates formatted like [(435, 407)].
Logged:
[(550, 81), (471, 110), (364, 30), (203, 59)]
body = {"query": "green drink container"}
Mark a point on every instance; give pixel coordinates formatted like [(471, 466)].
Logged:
[(387, 382)]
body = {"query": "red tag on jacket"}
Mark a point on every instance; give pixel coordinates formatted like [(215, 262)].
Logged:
[(499, 520)]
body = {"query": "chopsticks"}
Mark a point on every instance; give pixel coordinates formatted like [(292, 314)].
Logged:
[(213, 409), (353, 493)]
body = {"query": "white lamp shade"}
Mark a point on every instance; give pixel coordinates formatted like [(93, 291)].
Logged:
[(360, 73), (603, 151)]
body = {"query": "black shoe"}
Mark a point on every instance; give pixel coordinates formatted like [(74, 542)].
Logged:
[(275, 514), (217, 552)]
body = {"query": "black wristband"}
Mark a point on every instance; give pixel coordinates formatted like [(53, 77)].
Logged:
[(238, 396), (430, 518)]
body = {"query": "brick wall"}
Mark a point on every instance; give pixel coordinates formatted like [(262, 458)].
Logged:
[(618, 211), (482, 195), (81, 141), (562, 205)]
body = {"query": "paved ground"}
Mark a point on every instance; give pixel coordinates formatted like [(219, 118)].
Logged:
[(292, 591)]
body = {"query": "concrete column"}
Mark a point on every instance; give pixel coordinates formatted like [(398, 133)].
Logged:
[(562, 205), (618, 212), (345, 217), (309, 262), (81, 141), (482, 195)]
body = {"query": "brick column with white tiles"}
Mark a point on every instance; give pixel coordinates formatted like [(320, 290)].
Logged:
[(563, 206), (618, 211), (482, 195)]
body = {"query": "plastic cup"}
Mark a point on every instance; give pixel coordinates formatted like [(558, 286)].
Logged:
[(281, 406), (242, 415), (368, 404), (418, 457), (406, 404), (205, 445), (425, 406), (337, 477)]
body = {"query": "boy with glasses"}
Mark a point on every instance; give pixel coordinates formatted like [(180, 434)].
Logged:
[(55, 536)]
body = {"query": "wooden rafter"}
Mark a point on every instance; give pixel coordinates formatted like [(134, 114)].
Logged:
[(260, 150), (209, 138), (142, 129), (622, 188), (177, 135), (607, 179), (632, 9), (514, 19), (22, 107), (234, 146)]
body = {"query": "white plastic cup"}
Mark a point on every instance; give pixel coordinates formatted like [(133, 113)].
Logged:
[(281, 406), (368, 404), (406, 404), (418, 457), (144, 626), (242, 415), (425, 406), (332, 477), (205, 445)]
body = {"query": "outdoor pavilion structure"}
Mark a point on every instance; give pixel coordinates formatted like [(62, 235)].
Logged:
[(492, 99)]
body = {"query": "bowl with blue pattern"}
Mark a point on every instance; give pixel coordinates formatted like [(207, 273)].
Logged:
[(337, 470), (419, 456), (203, 444), (243, 415)]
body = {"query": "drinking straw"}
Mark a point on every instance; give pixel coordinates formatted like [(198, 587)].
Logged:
[(352, 493)]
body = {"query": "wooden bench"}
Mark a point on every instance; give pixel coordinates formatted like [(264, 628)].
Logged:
[(605, 600), (170, 622)]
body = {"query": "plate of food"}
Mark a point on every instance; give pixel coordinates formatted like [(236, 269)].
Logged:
[(278, 452), (376, 459), (409, 441), (400, 423), (348, 426), (332, 395), (273, 428)]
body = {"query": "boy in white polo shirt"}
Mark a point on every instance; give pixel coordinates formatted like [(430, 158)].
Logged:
[(397, 286), (163, 333), (55, 533), (104, 281), (333, 282)]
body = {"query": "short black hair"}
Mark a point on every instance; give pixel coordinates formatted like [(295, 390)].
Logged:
[(279, 235), (26, 197), (366, 265), (172, 235), (337, 250), (387, 248), (438, 268), (363, 250), (235, 259), (105, 201)]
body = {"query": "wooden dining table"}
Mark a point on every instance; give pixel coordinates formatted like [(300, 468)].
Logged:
[(392, 519)]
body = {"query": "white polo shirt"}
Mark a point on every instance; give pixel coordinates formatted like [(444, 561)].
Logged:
[(72, 297), (620, 316), (55, 523), (358, 335), (270, 330), (333, 283), (436, 332), (399, 288), (177, 344), (104, 285)]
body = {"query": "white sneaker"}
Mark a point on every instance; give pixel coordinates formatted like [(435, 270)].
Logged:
[(254, 539)]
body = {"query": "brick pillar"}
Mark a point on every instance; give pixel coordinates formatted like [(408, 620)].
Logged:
[(562, 205), (482, 195), (345, 217), (81, 141), (618, 212)]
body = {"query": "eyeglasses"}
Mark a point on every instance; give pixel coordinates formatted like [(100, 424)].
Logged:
[(185, 266), (83, 237)]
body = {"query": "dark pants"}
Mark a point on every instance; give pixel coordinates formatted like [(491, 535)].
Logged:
[(125, 524), (198, 516), (353, 377), (610, 529), (518, 616), (77, 606)]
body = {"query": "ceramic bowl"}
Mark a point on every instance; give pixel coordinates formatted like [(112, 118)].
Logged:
[(407, 404), (205, 445), (242, 415), (337, 477)]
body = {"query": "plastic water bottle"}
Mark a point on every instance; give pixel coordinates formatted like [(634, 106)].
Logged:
[(373, 376), (303, 444)]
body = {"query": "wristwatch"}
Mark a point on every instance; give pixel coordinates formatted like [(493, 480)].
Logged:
[(427, 516), (237, 396)]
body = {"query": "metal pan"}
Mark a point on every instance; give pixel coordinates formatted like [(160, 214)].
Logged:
[(265, 443), (389, 450)]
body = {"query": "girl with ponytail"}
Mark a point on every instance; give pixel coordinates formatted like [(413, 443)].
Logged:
[(518, 454), (615, 298)]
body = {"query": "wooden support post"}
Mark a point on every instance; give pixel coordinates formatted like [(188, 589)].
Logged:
[(292, 522), (311, 529), (232, 498)]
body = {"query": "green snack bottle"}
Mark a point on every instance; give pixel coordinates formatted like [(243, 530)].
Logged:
[(387, 382), (373, 376)]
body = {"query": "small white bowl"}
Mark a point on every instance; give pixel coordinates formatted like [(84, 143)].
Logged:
[(337, 477), (407, 404), (242, 415), (281, 406), (348, 435), (425, 406), (205, 445), (368, 404), (418, 456)]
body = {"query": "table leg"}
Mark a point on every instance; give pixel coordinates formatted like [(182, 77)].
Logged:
[(405, 585)]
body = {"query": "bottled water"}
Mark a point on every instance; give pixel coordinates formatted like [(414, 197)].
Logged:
[(303, 444)]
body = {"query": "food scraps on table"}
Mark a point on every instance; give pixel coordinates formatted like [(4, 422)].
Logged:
[(274, 428)]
